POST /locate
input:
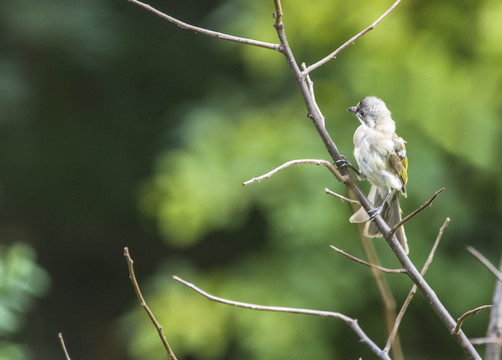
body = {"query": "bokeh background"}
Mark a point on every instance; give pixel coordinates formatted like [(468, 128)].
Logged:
[(119, 129)]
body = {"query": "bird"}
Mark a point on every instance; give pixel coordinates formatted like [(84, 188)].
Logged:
[(381, 156)]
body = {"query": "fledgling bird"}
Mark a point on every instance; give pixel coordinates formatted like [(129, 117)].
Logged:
[(381, 156)]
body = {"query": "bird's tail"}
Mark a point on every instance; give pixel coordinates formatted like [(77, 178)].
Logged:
[(391, 214)]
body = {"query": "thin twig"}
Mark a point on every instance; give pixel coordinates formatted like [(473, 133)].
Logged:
[(408, 217), (485, 262), (143, 303), (200, 30), (413, 290), (350, 41), (374, 266), (467, 314), (310, 85), (296, 162), (486, 340), (351, 201), (352, 323), (64, 346)]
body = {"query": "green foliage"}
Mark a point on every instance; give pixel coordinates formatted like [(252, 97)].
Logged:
[(21, 282)]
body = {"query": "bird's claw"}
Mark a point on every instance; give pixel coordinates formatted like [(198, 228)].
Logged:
[(373, 213), (344, 163)]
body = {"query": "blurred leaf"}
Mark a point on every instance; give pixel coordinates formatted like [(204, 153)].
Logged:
[(21, 279), (13, 351)]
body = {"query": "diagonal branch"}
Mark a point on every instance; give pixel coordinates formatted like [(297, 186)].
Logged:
[(352, 323), (350, 41), (67, 356), (200, 30), (143, 303)]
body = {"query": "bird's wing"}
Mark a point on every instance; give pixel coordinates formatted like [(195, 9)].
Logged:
[(399, 162)]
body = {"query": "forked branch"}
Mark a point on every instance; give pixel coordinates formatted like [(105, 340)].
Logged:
[(350, 41)]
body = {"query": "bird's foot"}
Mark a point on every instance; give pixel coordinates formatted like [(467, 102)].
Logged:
[(344, 163), (373, 213)]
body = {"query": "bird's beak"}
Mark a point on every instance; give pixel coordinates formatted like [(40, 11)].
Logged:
[(352, 109)]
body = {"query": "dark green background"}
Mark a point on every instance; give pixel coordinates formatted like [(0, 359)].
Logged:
[(119, 129)]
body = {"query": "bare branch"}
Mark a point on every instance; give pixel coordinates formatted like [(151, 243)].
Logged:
[(296, 162), (277, 13), (485, 262), (467, 314), (352, 323), (413, 290), (351, 201), (203, 31), (494, 347), (408, 217), (487, 340), (374, 266), (64, 346), (142, 301), (350, 41)]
